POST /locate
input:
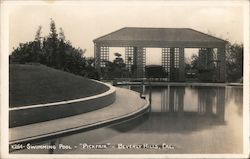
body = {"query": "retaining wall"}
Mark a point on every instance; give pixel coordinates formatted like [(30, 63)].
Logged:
[(24, 115)]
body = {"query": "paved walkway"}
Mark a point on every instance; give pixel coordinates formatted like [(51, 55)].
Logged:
[(127, 104)]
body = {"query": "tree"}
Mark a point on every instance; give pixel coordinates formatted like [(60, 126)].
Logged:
[(117, 54), (38, 33), (61, 35), (29, 51), (115, 69), (38, 55), (118, 60), (234, 62), (52, 43), (53, 33), (54, 51), (194, 62)]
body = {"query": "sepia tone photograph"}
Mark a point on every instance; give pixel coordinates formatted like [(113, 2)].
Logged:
[(124, 79)]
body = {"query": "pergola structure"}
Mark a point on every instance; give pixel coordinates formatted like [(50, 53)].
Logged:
[(173, 41)]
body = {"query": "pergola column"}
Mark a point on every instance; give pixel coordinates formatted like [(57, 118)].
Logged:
[(135, 56), (222, 64), (165, 53), (104, 52), (181, 65), (129, 57), (97, 55), (172, 63), (139, 61)]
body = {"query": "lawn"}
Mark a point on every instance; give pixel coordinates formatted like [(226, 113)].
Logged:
[(38, 84)]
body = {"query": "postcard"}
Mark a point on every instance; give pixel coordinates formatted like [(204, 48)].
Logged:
[(124, 79)]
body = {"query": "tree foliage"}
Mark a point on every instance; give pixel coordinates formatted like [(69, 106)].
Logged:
[(155, 71), (234, 62), (194, 61), (115, 69), (54, 51)]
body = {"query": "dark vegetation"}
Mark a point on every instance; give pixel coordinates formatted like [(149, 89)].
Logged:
[(155, 71), (115, 69), (37, 84), (56, 52), (234, 65)]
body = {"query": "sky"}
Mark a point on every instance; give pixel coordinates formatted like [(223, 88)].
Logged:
[(83, 21)]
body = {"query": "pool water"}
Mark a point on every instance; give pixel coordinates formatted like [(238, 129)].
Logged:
[(183, 120)]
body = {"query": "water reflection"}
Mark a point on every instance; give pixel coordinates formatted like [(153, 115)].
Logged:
[(235, 95), (203, 100), (180, 109)]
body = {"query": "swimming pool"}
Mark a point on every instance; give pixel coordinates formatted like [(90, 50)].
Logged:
[(182, 120)]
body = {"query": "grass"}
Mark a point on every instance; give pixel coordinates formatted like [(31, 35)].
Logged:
[(38, 84)]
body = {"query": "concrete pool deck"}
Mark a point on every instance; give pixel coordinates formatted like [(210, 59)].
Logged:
[(179, 84), (127, 105)]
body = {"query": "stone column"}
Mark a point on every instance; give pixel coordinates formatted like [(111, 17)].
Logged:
[(222, 64), (181, 65)]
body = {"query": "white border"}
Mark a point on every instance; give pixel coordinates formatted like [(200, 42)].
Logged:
[(4, 78), (246, 92), (5, 90)]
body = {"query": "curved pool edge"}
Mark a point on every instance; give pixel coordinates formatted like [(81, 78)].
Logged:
[(104, 123), (56, 110), (111, 89)]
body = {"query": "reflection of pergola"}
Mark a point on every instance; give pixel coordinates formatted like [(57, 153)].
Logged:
[(171, 40)]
